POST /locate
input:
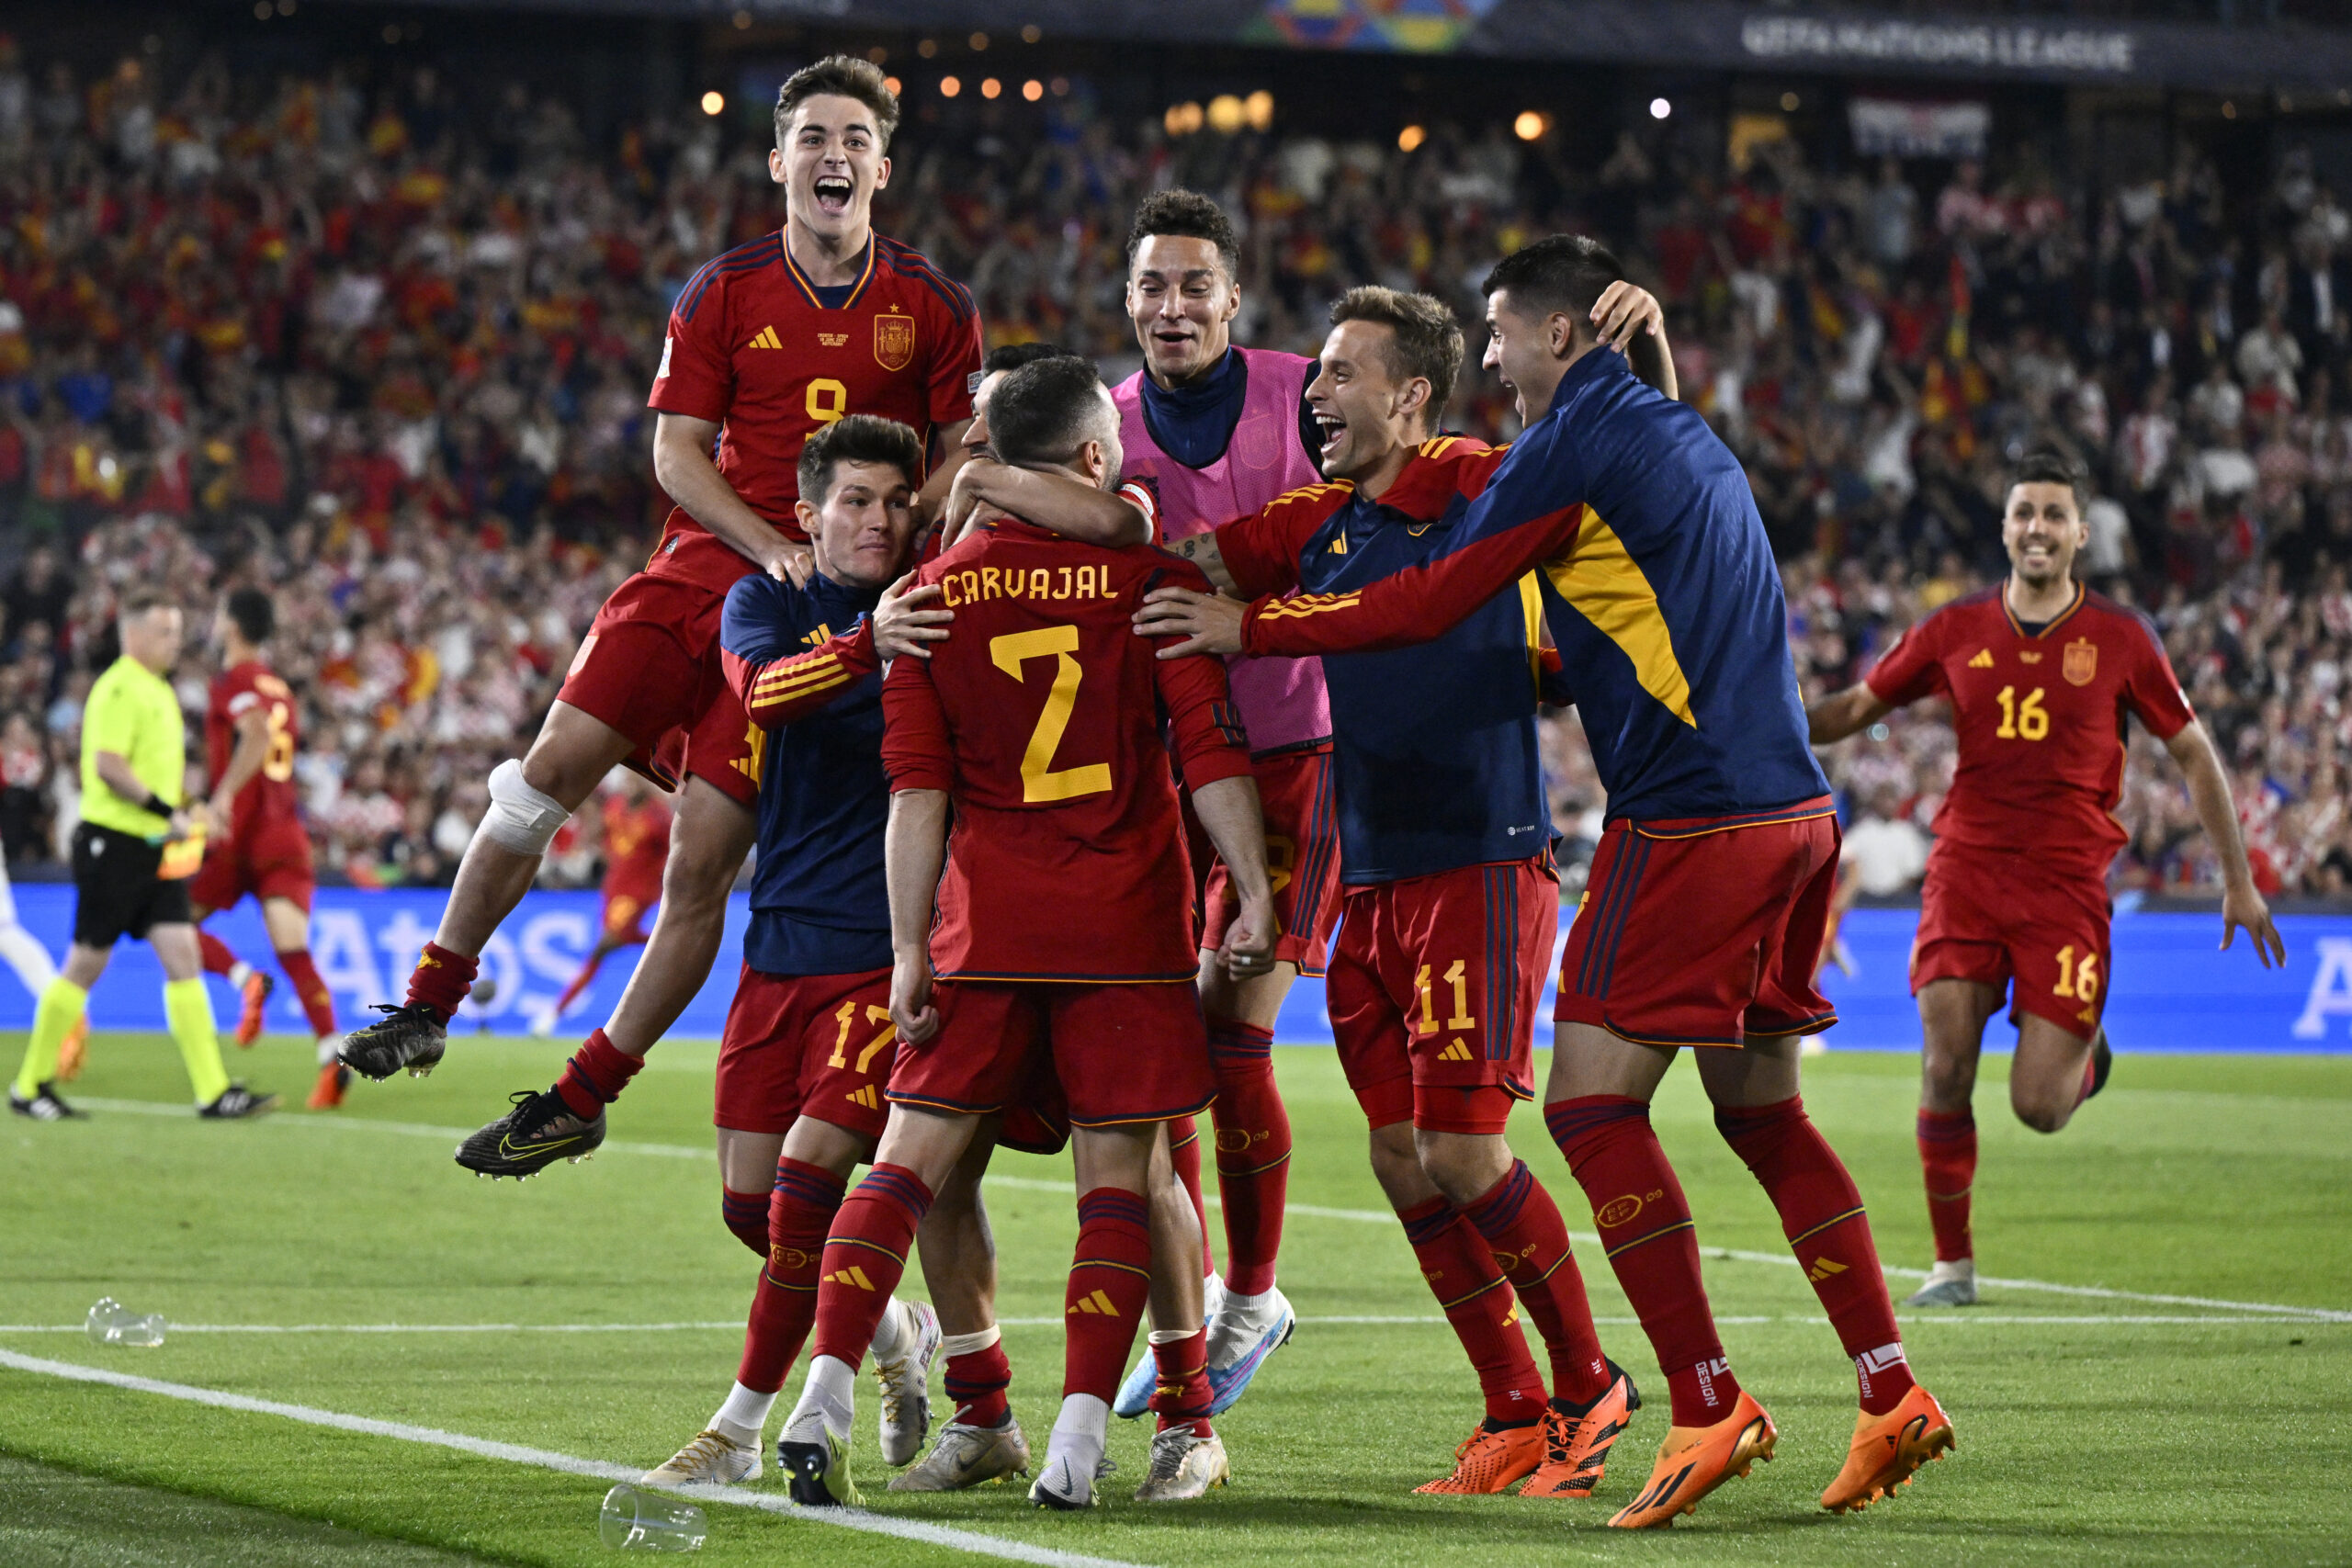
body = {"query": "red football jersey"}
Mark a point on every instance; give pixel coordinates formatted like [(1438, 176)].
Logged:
[(1042, 717), (268, 802), (751, 345), (2040, 718), (637, 843)]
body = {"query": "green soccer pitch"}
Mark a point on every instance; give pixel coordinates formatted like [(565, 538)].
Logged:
[(2190, 1409)]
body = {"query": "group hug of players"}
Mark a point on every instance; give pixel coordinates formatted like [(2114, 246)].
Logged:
[(979, 800)]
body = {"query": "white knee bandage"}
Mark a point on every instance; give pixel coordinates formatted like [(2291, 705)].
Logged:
[(520, 818)]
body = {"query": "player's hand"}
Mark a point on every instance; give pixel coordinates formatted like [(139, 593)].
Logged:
[(216, 821), (2245, 907), (793, 563), (910, 1007), (1623, 310), (964, 505), (1249, 948), (906, 618), (1208, 622)]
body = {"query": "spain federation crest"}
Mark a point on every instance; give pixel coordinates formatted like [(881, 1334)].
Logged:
[(894, 341), (2081, 663)]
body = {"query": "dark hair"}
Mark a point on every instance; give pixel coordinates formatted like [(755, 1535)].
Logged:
[(1188, 215), (1040, 413), (251, 611), (1013, 355), (857, 438), (139, 601), (1427, 341), (2048, 466), (844, 76), (1559, 272)]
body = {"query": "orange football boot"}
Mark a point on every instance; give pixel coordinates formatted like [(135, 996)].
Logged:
[(1575, 1447), (1488, 1461), (258, 988), (73, 1050), (1887, 1449), (327, 1093), (1695, 1461)]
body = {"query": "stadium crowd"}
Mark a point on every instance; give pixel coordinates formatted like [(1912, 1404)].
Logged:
[(385, 352)]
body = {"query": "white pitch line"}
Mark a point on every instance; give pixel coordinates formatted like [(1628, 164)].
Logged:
[(1308, 1211), (952, 1539)]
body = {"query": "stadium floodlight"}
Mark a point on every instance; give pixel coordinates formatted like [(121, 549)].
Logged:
[(1259, 107), (714, 102), (990, 87), (949, 86), (1412, 136), (1660, 108), (1032, 89), (1227, 115), (1530, 124)]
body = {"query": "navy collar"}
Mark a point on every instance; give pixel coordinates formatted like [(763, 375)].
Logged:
[(1599, 362)]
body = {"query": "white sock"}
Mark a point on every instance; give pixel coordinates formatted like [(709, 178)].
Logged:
[(239, 973), (329, 1044), (828, 1402), (969, 1344), (890, 1335), (1248, 1306), (743, 1417), (1080, 1433)]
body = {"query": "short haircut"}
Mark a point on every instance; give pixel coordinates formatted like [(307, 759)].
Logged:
[(139, 601), (2048, 466), (253, 615), (1186, 215), (844, 76), (1013, 355), (1045, 410), (857, 438), (1427, 341), (1566, 272)]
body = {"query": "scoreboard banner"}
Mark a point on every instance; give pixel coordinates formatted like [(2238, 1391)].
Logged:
[(2171, 989)]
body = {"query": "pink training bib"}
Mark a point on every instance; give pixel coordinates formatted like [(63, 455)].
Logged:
[(1281, 701)]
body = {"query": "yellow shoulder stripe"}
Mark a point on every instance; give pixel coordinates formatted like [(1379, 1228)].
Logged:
[(1601, 582)]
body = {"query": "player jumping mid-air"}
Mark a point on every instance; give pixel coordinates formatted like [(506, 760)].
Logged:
[(634, 823), (2040, 673)]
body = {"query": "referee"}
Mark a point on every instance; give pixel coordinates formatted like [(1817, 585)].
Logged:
[(133, 851)]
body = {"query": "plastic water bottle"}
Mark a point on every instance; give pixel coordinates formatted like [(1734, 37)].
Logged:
[(111, 1322), (651, 1521)]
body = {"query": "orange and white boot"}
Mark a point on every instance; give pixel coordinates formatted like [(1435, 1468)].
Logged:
[(1695, 1461), (1887, 1449)]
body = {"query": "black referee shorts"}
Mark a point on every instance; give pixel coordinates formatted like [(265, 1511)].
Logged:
[(116, 890)]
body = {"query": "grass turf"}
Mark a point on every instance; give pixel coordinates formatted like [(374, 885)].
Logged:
[(2084, 1435)]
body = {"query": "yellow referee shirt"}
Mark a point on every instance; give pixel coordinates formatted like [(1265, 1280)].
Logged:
[(134, 713)]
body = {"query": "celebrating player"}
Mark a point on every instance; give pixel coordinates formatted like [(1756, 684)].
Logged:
[(133, 852), (635, 826), (2040, 672), (766, 344), (1041, 721), (1450, 894), (260, 845), (1704, 912)]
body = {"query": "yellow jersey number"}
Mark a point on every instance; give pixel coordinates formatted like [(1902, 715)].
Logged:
[(1040, 780), (2026, 720)]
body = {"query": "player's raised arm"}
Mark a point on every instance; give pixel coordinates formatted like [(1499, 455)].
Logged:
[(2209, 788), (1840, 713), (684, 468), (1051, 500)]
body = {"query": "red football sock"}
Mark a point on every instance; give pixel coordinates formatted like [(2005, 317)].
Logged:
[(800, 1210), (218, 959), (441, 980), (1520, 1222), (1821, 1214), (865, 1256), (1645, 1231), (1182, 1397), (746, 1215), (1110, 1280), (318, 1002), (976, 1383), (581, 982), (1947, 1160), (1184, 1154), (1253, 1173), (595, 1076), (1477, 1299)]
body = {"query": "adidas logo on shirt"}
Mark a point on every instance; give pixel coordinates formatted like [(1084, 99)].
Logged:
[(865, 1096), (1984, 659), (766, 339)]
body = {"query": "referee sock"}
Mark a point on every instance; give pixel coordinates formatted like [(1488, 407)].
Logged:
[(1252, 1153), (864, 1258), (1821, 1214), (1110, 1281), (318, 1002), (441, 979), (1477, 1301), (800, 1210), (61, 1007), (1644, 1224), (1948, 1161), (189, 1010), (1520, 1223)]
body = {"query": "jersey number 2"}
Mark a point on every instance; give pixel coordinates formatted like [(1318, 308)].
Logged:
[(1039, 779)]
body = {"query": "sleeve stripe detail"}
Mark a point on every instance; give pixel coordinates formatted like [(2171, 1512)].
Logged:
[(1305, 604), (761, 700), (795, 675)]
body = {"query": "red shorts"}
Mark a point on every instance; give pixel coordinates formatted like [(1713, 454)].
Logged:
[(1701, 931), (798, 1045), (624, 917), (1122, 1054), (649, 667), (1295, 795), (276, 865), (1433, 991), (1994, 919)]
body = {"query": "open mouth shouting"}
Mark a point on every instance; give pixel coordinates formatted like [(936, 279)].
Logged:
[(833, 193), (1334, 429)]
